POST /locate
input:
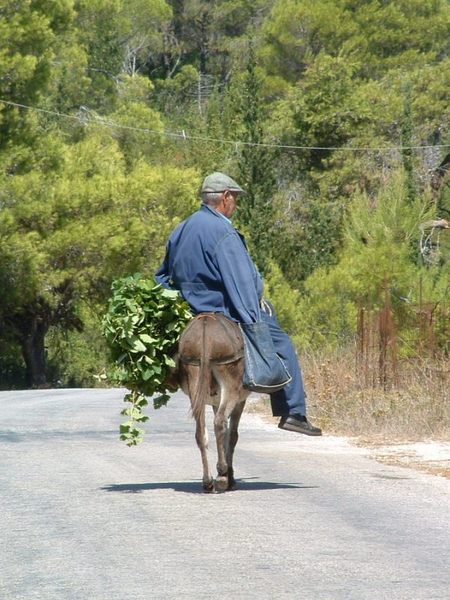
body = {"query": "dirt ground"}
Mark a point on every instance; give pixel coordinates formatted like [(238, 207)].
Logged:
[(429, 456)]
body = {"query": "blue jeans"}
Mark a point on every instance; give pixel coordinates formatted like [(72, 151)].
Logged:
[(292, 398)]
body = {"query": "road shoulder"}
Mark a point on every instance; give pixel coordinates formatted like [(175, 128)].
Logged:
[(425, 455)]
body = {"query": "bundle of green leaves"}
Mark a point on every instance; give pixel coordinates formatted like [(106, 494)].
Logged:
[(142, 327)]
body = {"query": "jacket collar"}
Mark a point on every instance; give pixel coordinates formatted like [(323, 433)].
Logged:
[(215, 212)]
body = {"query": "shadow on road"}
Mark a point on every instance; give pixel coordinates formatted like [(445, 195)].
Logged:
[(195, 487)]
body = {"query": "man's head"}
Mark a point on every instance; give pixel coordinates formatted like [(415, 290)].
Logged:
[(221, 192)]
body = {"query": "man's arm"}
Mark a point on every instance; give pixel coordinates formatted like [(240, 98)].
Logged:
[(162, 275), (238, 278)]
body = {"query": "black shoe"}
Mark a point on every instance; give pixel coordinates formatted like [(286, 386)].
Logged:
[(299, 424)]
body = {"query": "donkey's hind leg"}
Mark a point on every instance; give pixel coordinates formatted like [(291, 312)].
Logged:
[(221, 432), (201, 432), (232, 439), (201, 437), (229, 378)]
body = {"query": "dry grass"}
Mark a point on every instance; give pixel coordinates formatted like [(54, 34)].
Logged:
[(347, 400)]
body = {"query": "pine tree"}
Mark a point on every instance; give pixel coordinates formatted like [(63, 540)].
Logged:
[(407, 129), (256, 168)]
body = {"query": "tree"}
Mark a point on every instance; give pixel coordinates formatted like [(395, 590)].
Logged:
[(407, 143), (380, 35), (213, 35), (133, 113), (67, 233), (28, 41), (376, 259), (255, 165)]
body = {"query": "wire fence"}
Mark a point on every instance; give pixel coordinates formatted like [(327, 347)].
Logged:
[(86, 117)]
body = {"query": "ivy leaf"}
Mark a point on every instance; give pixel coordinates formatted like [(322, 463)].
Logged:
[(137, 345), (147, 339)]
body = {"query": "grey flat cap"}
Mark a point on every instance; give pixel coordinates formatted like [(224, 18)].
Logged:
[(219, 182)]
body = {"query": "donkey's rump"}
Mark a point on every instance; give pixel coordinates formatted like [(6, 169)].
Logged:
[(222, 336), (211, 368)]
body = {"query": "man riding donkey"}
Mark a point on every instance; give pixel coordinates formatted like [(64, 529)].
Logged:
[(208, 262)]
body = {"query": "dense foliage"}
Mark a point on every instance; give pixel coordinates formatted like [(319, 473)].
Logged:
[(142, 328), (334, 114)]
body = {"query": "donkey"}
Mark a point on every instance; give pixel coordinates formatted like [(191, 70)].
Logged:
[(210, 371)]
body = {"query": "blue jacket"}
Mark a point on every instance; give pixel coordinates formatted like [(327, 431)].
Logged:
[(208, 262)]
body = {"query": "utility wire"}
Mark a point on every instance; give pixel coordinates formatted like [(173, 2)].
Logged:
[(184, 136)]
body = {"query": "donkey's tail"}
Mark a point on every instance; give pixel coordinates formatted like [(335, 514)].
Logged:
[(204, 376)]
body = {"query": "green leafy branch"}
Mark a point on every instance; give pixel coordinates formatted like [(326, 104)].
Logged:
[(142, 327)]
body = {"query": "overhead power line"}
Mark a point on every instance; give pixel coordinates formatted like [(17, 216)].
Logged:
[(102, 122)]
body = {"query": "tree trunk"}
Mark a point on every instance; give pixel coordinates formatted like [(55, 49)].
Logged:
[(203, 24), (33, 352)]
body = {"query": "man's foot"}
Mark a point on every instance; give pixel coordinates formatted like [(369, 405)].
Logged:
[(299, 424)]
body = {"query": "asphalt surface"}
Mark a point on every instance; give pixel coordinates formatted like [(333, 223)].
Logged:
[(83, 517)]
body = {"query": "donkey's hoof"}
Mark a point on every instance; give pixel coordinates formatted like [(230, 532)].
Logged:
[(208, 487), (232, 485), (221, 483)]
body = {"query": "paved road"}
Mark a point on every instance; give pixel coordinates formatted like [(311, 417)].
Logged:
[(83, 517)]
